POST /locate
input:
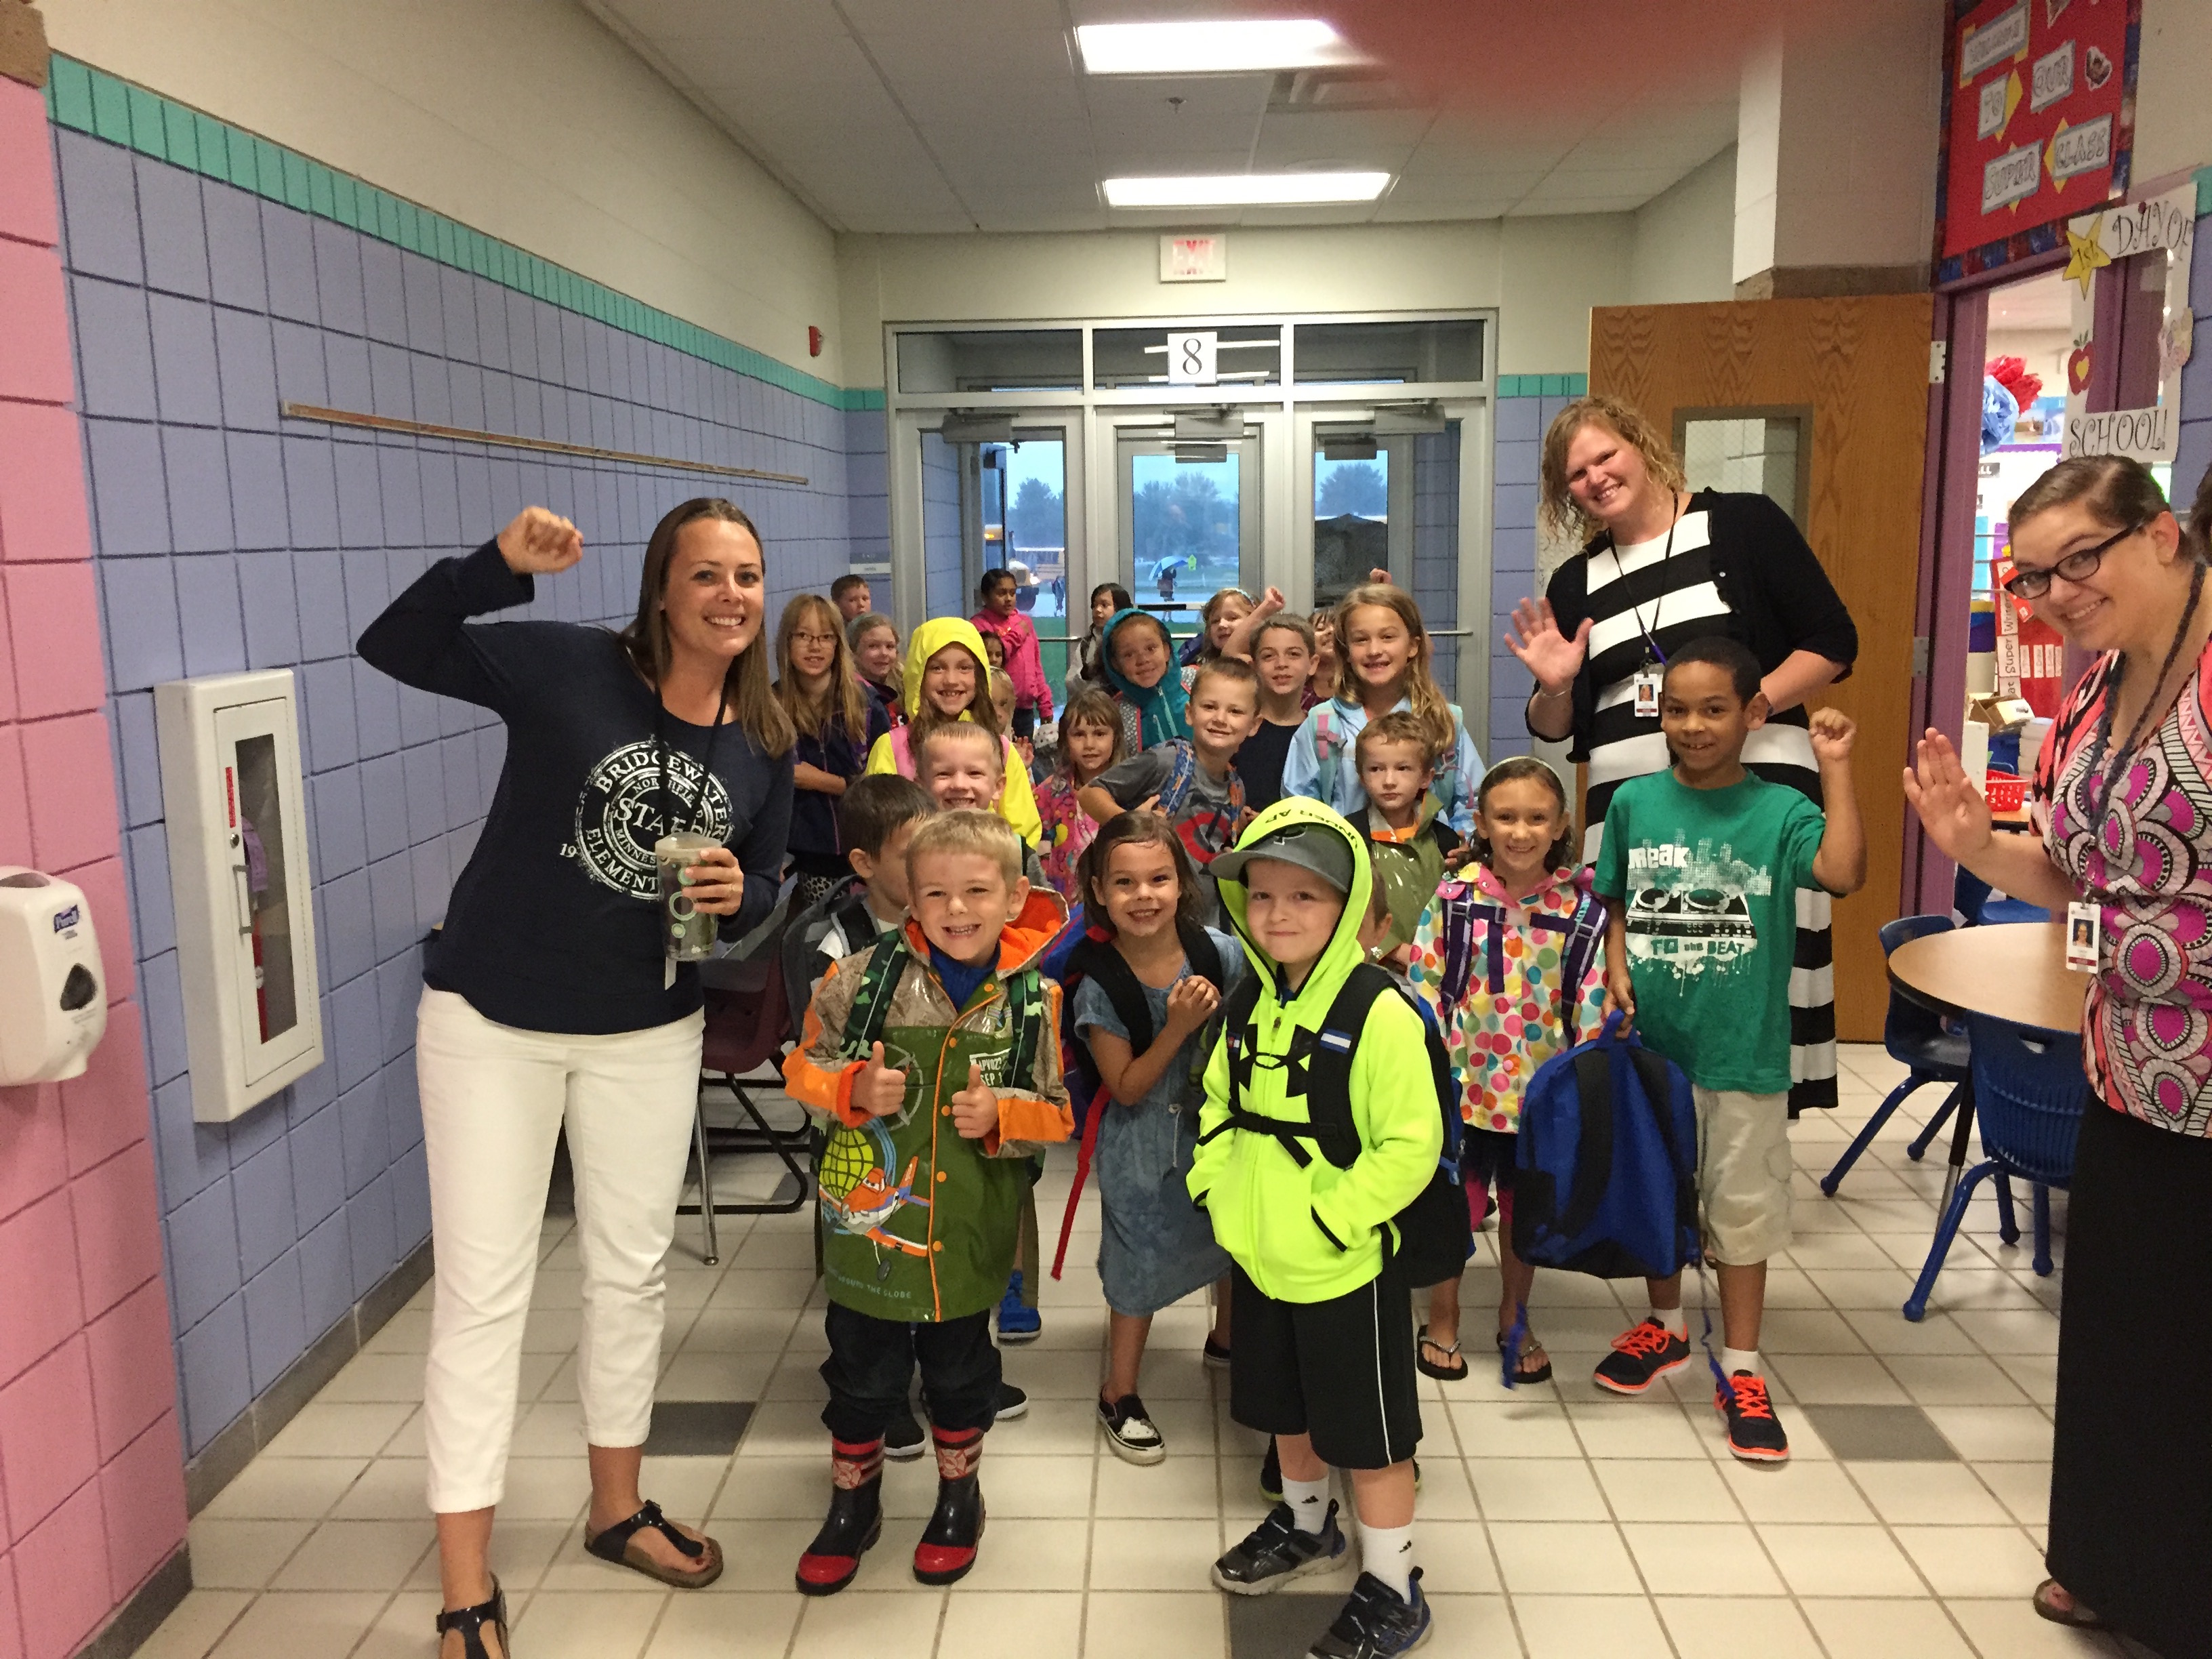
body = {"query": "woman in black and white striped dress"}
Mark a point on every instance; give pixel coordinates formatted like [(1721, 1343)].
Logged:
[(1660, 567)]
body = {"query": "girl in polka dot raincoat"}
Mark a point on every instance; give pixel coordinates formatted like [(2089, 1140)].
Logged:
[(1510, 957)]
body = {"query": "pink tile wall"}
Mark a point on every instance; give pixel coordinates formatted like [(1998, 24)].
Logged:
[(92, 1496)]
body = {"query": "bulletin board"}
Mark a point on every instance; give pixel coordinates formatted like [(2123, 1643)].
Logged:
[(2039, 126)]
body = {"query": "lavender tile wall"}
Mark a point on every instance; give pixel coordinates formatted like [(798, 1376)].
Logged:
[(1514, 468), (2195, 453), (229, 538)]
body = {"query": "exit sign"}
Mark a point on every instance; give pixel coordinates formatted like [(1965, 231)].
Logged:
[(1194, 258)]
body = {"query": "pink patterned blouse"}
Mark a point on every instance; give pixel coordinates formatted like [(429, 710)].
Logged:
[(1069, 830), (2146, 1028)]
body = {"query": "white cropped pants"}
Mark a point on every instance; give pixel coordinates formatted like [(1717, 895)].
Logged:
[(494, 1099)]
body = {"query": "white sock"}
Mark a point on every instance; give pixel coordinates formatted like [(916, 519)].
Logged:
[(1308, 1502), (1740, 1359), (1387, 1552), (1675, 1320)]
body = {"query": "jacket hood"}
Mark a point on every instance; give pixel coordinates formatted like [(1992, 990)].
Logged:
[(1161, 705), (1022, 941), (1572, 878), (1342, 954), (927, 640)]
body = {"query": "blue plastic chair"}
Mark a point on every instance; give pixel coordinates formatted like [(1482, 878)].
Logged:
[(2029, 1093), (1914, 1036)]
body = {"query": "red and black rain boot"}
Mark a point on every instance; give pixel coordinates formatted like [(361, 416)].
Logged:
[(855, 1520), (948, 1543)]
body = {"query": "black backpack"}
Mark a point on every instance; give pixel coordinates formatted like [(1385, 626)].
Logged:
[(1094, 957), (803, 959), (1433, 1233)]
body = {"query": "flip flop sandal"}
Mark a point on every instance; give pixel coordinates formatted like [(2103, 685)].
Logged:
[(619, 1544), (1521, 1373), (2076, 1616), (1428, 1367)]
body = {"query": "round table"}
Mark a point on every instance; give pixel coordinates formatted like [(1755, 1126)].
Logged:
[(2015, 971)]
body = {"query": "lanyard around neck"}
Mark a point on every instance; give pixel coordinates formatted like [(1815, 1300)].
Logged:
[(1659, 605)]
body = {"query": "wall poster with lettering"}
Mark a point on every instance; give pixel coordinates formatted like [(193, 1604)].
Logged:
[(2040, 123), (2165, 226)]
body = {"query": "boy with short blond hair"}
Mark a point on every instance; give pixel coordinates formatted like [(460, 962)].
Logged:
[(933, 1056), (1412, 845)]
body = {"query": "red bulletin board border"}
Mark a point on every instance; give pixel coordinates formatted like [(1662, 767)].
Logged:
[(1958, 260)]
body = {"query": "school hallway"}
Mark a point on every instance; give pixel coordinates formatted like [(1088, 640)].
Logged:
[(1553, 1521)]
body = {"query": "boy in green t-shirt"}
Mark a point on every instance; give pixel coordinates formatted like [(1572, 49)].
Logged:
[(1699, 867)]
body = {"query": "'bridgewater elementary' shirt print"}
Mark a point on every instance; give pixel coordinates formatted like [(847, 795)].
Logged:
[(1706, 881)]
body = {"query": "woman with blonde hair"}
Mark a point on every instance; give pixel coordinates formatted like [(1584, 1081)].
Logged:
[(837, 722), (1383, 663), (1661, 566)]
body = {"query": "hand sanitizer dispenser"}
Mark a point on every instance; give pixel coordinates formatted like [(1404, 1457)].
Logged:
[(235, 799), (53, 997)]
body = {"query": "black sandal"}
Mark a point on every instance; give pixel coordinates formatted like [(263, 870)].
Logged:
[(471, 1621), (1450, 1350), (1541, 1374), (617, 1545), (2074, 1616)]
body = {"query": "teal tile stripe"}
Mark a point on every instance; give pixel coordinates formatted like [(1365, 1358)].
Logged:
[(1542, 385), (87, 100)]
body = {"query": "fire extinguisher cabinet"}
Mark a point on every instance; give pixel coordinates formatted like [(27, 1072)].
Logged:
[(235, 797)]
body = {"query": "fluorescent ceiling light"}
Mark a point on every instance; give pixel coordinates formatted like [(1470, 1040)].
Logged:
[(1215, 48), (1245, 190)]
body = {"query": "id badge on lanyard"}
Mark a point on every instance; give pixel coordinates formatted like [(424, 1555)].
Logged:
[(1646, 682), (2085, 937)]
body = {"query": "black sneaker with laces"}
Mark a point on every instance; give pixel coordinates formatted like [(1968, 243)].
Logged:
[(1376, 1622), (1271, 1473), (903, 1438), (1130, 1430), (1641, 1355), (1013, 1403), (1276, 1551), (1754, 1433)]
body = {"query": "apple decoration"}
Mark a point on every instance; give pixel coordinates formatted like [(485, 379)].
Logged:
[(2077, 370)]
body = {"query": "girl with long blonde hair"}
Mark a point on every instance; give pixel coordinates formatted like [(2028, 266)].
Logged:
[(1384, 657), (835, 720)]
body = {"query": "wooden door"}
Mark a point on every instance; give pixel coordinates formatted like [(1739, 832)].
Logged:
[(1859, 367)]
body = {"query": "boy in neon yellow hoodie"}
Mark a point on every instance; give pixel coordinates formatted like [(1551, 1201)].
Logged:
[(948, 678), (1323, 1358)]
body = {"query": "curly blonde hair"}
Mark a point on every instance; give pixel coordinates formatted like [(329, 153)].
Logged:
[(1563, 516)]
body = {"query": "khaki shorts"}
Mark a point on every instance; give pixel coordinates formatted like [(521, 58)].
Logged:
[(1743, 1175)]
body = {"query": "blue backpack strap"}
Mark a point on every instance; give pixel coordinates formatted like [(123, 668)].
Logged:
[(1176, 789)]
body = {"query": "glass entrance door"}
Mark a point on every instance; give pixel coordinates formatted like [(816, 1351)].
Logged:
[(1189, 522), (998, 503)]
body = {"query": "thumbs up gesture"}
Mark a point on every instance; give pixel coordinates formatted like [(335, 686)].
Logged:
[(976, 1107), (878, 1090)]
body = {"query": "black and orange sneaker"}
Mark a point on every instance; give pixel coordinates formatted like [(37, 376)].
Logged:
[(1754, 1433), (1641, 1355)]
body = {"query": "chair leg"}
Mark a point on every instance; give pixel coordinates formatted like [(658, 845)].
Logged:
[(1883, 1114), (1917, 1147), (1946, 1229), (2042, 1230), (781, 1142), (706, 1184), (2008, 1223)]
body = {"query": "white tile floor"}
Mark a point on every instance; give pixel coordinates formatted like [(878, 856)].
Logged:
[(1553, 1522)]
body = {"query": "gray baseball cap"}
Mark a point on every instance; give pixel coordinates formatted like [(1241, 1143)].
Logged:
[(1312, 847)]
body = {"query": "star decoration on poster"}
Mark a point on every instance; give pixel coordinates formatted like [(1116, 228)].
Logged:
[(2086, 253)]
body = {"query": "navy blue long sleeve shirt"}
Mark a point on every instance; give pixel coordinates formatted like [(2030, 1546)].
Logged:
[(554, 924)]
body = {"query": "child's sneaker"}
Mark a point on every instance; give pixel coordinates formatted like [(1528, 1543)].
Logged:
[(1754, 1433), (1376, 1622), (1013, 1403), (1130, 1430), (1017, 1322), (1641, 1355), (1271, 1473), (1215, 1353), (903, 1438), (1276, 1551)]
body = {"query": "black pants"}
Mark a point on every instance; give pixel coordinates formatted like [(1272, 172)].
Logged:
[(872, 1361), (1025, 721)]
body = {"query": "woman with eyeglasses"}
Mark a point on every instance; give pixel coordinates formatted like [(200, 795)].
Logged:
[(836, 721), (2123, 798)]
